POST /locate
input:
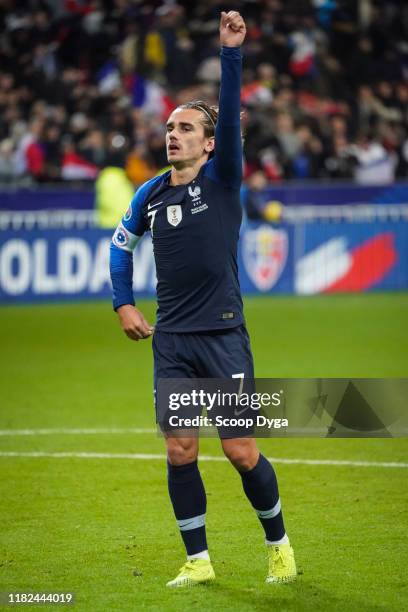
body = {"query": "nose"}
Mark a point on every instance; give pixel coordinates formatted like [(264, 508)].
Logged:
[(172, 138)]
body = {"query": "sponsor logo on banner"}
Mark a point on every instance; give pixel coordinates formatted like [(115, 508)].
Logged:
[(128, 213), (120, 237), (174, 214), (58, 266), (265, 251), (49, 267), (333, 266)]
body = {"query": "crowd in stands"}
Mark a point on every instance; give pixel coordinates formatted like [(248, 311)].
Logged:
[(86, 84)]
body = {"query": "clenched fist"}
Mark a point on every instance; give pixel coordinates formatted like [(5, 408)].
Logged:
[(133, 323), (232, 29)]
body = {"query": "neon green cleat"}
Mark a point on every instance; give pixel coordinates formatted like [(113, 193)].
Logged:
[(282, 566), (193, 573)]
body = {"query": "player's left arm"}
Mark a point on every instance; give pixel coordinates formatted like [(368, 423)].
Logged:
[(227, 163)]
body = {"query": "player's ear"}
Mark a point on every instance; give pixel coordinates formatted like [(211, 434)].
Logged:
[(209, 147)]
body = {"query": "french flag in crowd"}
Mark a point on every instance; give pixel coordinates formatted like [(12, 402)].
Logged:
[(302, 59), (146, 95), (75, 167), (108, 77), (149, 97)]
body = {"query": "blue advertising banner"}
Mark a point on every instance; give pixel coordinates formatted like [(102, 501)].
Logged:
[(350, 257), (38, 265), (304, 254), (41, 265)]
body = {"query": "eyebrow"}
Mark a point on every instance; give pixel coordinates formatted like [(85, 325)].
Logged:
[(183, 123)]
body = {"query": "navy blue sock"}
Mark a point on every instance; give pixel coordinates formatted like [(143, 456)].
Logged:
[(189, 501), (261, 488)]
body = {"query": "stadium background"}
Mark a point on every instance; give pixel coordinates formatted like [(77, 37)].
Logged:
[(85, 88)]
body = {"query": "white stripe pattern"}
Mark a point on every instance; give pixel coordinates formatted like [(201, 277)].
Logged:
[(162, 457), (76, 432), (191, 523), (271, 513)]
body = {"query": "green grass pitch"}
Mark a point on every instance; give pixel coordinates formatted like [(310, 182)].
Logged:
[(103, 527)]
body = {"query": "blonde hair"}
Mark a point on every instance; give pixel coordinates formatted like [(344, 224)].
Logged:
[(210, 115)]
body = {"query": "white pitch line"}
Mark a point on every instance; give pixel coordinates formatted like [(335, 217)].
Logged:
[(162, 457), (76, 432)]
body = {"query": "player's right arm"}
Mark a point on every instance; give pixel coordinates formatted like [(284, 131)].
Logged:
[(124, 240)]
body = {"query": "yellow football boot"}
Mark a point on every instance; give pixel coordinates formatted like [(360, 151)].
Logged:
[(193, 573), (282, 566)]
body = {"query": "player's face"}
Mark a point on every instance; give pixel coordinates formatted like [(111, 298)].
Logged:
[(185, 139)]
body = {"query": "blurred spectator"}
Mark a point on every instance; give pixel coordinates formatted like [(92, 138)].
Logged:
[(75, 167), (338, 164), (93, 147), (254, 202), (307, 161), (286, 135), (7, 165), (374, 164), (30, 155), (75, 75)]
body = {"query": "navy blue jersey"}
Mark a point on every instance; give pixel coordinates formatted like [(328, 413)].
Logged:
[(194, 229)]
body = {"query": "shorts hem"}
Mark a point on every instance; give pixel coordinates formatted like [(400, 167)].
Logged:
[(195, 330)]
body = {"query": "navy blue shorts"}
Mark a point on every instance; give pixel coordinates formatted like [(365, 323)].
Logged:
[(213, 354)]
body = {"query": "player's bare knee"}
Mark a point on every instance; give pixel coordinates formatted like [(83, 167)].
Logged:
[(241, 461), (243, 456), (181, 451)]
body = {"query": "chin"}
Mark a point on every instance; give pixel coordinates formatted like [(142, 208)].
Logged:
[(175, 161), (173, 157)]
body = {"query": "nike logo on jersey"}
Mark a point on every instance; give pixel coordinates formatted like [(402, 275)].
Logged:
[(149, 206)]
